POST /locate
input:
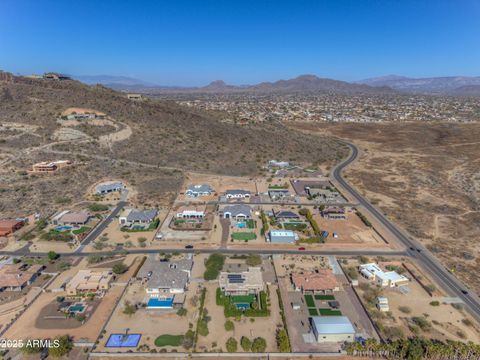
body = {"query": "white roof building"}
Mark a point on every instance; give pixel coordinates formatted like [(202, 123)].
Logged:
[(332, 329), (372, 271)]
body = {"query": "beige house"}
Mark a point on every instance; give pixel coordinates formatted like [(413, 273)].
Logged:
[(242, 283), (89, 281)]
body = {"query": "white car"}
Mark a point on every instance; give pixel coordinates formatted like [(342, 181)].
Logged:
[(159, 236)]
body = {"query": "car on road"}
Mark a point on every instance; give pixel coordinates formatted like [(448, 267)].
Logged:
[(189, 247), (159, 236), (464, 292), (301, 248)]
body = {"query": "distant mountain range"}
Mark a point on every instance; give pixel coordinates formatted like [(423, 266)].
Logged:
[(454, 85)]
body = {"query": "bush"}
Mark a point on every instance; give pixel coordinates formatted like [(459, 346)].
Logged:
[(213, 266), (435, 303), (97, 207), (182, 312), (129, 308), (203, 327), (231, 345), (188, 339), (229, 325), (245, 343), (422, 323), (259, 345), (119, 268), (282, 341), (405, 309), (52, 255), (65, 345)]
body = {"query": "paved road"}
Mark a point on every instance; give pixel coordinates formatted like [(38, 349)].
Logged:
[(414, 249)]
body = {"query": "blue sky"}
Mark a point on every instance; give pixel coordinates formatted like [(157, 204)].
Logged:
[(181, 42)]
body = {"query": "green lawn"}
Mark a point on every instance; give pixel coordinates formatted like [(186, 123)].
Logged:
[(244, 236), (324, 297), (251, 224), (312, 312), (243, 299), (309, 300), (81, 230), (330, 312), (169, 340)]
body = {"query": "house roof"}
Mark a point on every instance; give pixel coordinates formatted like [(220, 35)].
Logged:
[(75, 217), (197, 208), (323, 279), (11, 275), (332, 325), (155, 266), (142, 215), (109, 187), (237, 192), (282, 233), (201, 188), (239, 209), (9, 223)]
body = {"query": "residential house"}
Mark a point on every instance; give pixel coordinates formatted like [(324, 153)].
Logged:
[(55, 76), (334, 213), (332, 329), (237, 212), (49, 167), (8, 226), (282, 236), (321, 281), (280, 164), (82, 114), (103, 189), (68, 217), (278, 194), (242, 283), (284, 215), (237, 194), (132, 217), (373, 272), (199, 190), (14, 277), (134, 96), (191, 212), (89, 281)]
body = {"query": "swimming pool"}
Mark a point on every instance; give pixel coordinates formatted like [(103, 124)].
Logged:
[(77, 308), (154, 303), (123, 340), (241, 225), (242, 306), (64, 228)]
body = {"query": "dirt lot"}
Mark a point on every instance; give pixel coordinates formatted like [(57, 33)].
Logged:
[(425, 178), (442, 321)]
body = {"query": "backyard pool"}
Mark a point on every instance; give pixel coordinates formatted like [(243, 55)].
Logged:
[(154, 303), (77, 308), (241, 225), (242, 307), (63, 228)]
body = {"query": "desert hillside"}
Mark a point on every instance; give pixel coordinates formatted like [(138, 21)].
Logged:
[(160, 136)]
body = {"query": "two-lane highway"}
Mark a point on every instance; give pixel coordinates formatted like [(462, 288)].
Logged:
[(435, 269)]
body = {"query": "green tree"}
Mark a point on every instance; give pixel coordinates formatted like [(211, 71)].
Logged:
[(188, 339), (282, 341), (52, 255), (119, 268), (259, 345), (254, 260), (229, 325), (182, 312), (245, 343), (30, 348), (65, 344), (231, 345)]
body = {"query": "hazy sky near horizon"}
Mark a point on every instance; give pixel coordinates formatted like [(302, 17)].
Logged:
[(242, 42)]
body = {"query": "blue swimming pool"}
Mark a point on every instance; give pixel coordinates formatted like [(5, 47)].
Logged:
[(241, 225), (64, 228), (123, 340), (242, 306), (154, 303)]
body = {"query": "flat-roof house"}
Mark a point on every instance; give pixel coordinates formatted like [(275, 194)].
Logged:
[(276, 194), (55, 76), (82, 114), (8, 226), (333, 213), (280, 164), (373, 272), (48, 167), (134, 96), (89, 281), (14, 277), (332, 329), (137, 217), (242, 283), (237, 212), (198, 190), (108, 188), (191, 212), (321, 281), (71, 218), (237, 194), (282, 236)]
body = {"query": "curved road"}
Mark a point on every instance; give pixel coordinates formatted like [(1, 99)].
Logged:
[(435, 269)]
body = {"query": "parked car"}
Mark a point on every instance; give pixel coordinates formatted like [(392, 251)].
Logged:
[(189, 247), (301, 248)]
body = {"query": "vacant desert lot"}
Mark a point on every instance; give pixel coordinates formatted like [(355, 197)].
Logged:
[(426, 178)]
